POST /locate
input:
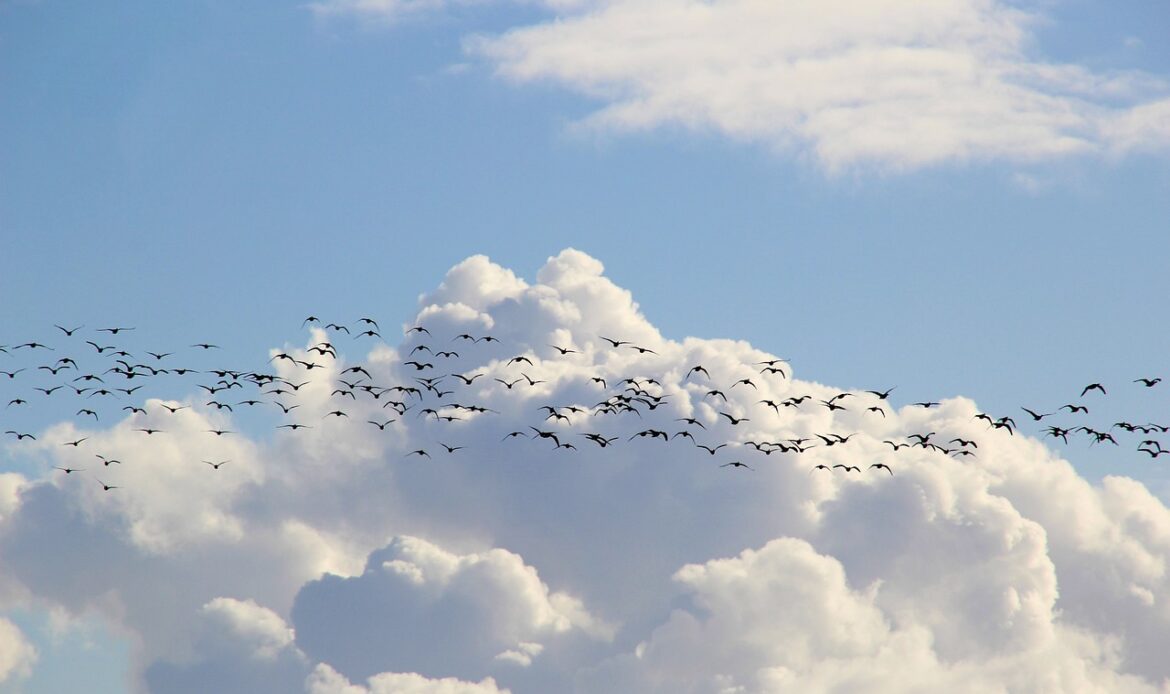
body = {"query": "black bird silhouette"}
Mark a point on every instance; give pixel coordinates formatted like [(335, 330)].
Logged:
[(926, 405), (76, 443), (745, 382), (734, 421), (883, 394), (882, 466), (709, 449), (1073, 409), (418, 329), (563, 350), (107, 487), (216, 466), (1036, 416), (451, 449), (67, 331), (691, 420), (107, 461), (19, 436), (294, 427), (1148, 382), (68, 470), (615, 343), (113, 331), (698, 368), (1093, 386), (467, 379), (736, 463), (848, 468)]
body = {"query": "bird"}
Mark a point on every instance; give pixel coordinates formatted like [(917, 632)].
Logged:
[(734, 420), (450, 449), (710, 449), (1093, 386), (615, 343), (1036, 416), (517, 360), (150, 432), (882, 394), (381, 425), (882, 466), (67, 331), (419, 452), (848, 468), (745, 382), (736, 463), (107, 461), (107, 487), (76, 443), (1148, 382), (691, 420), (70, 470), (698, 368), (216, 466), (563, 350), (1073, 409), (530, 380), (467, 380)]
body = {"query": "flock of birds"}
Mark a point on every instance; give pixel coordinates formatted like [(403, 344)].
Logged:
[(97, 374)]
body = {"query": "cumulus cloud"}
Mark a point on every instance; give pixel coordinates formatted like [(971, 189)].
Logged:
[(17, 655), (894, 84), (420, 608), (330, 559), (326, 680)]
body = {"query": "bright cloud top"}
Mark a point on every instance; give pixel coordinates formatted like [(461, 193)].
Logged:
[(333, 559), (892, 84)]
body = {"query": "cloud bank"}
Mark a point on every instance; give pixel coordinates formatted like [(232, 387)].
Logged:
[(334, 559)]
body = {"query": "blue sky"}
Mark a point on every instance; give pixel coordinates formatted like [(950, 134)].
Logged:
[(211, 172)]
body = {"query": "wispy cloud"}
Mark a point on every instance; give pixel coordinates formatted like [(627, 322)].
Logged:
[(891, 85)]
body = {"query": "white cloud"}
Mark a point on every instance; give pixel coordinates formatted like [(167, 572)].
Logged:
[(17, 655), (658, 570), (261, 629), (418, 607), (326, 680), (891, 84)]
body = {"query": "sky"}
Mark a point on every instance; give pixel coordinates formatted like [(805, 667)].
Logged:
[(963, 200)]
